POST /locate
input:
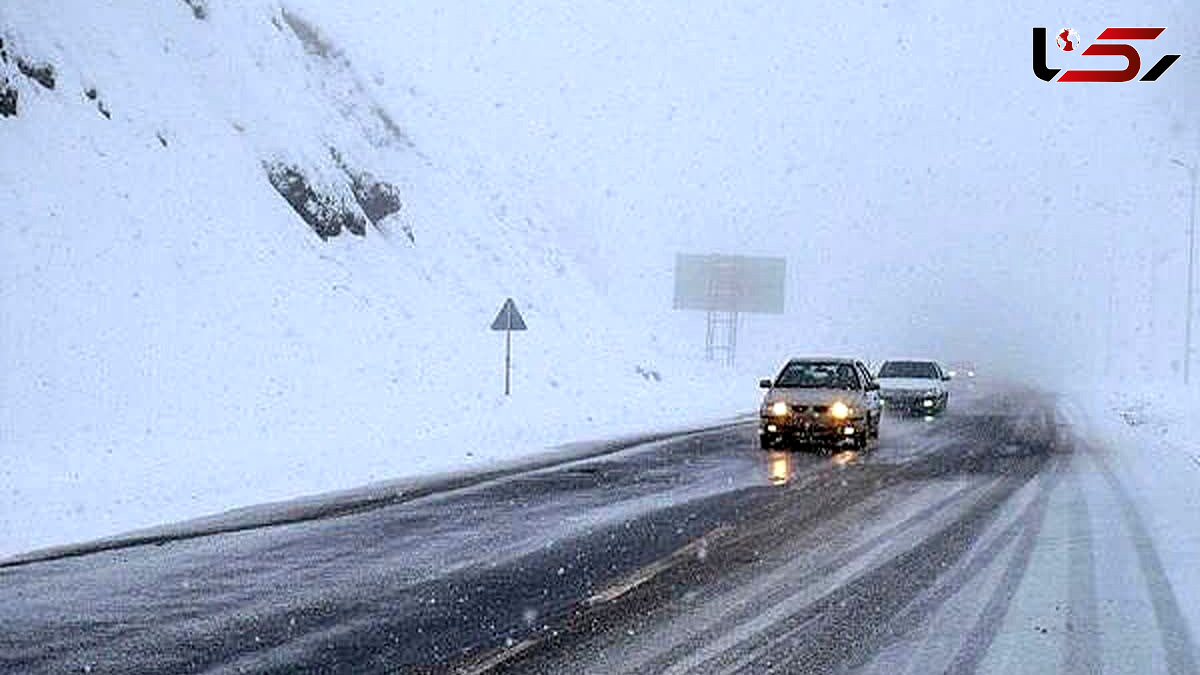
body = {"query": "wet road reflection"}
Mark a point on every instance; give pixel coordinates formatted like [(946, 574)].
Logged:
[(845, 457), (779, 467), (782, 465)]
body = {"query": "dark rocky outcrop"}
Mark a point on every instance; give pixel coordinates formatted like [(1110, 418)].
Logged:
[(379, 200), (8, 99), (327, 215), (376, 199), (42, 73), (649, 374), (93, 95), (199, 10)]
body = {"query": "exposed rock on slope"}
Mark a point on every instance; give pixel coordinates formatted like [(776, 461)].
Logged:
[(8, 99), (326, 214), (199, 10), (42, 73)]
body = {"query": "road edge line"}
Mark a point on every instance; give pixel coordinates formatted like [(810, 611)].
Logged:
[(351, 501)]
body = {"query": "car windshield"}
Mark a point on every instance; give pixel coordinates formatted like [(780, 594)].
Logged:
[(913, 369), (814, 375)]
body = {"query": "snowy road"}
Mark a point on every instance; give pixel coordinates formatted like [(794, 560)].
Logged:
[(993, 540)]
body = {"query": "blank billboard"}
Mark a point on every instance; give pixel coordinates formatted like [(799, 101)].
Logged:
[(730, 283)]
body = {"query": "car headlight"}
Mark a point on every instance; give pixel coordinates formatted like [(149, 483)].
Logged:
[(779, 408), (839, 410)]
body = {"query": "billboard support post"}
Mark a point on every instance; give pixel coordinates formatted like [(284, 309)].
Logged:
[(725, 287)]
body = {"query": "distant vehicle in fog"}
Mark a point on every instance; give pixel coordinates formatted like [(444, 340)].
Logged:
[(916, 387), (820, 400), (961, 369)]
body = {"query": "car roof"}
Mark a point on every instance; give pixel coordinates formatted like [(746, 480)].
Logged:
[(910, 361), (824, 359)]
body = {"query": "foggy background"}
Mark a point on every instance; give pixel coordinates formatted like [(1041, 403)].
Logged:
[(931, 195)]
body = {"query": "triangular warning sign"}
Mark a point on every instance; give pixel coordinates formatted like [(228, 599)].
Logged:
[(509, 318)]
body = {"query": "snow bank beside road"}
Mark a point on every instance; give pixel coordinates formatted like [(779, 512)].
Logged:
[(70, 490), (372, 495), (1168, 418), (1149, 438)]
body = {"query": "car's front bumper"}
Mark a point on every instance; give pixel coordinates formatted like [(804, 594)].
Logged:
[(916, 403), (801, 429)]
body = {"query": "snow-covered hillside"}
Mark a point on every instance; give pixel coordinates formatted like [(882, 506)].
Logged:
[(232, 272)]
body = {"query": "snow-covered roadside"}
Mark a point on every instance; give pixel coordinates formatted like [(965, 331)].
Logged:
[(121, 485), (1169, 415), (1153, 429), (1149, 439), (379, 493)]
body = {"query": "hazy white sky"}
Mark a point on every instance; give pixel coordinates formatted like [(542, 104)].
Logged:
[(902, 155)]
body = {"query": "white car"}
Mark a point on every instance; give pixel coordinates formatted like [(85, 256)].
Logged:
[(961, 369), (915, 387)]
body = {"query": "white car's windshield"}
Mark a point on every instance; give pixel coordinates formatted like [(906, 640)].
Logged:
[(909, 369)]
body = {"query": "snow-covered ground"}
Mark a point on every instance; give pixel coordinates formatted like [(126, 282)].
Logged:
[(1165, 420), (175, 340), (1141, 480)]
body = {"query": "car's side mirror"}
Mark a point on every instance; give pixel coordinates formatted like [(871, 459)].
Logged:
[(872, 386), (947, 378), (764, 384)]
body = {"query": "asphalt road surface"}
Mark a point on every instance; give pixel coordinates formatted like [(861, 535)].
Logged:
[(972, 543)]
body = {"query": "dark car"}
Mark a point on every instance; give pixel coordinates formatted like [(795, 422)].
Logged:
[(820, 401)]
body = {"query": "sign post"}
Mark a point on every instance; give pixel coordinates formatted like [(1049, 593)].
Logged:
[(508, 320)]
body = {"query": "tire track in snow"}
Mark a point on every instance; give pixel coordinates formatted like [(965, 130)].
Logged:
[(717, 637), (1026, 530), (1020, 532), (1173, 627), (1082, 649), (846, 628)]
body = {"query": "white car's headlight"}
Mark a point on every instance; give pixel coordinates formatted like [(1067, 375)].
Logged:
[(839, 410), (779, 408)]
